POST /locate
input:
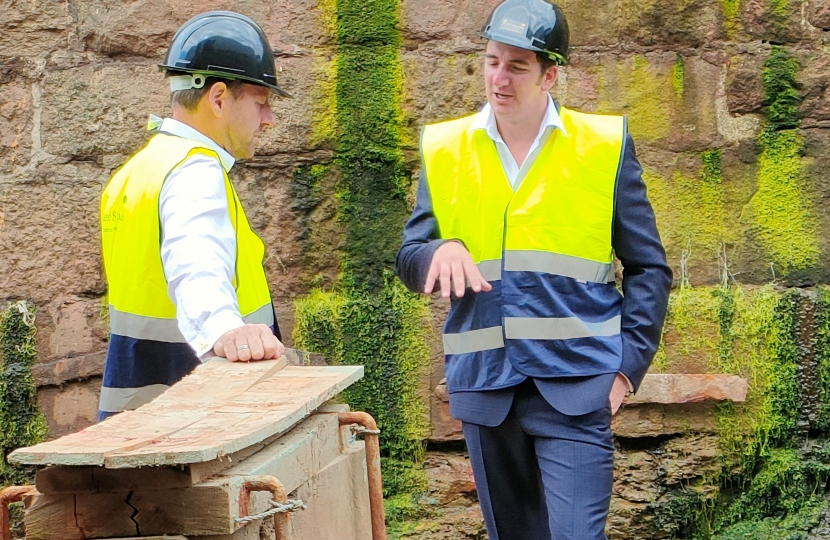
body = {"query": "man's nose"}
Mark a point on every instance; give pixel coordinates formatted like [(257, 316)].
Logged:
[(268, 118), (501, 77)]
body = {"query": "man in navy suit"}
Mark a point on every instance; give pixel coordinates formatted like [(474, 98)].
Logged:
[(520, 209)]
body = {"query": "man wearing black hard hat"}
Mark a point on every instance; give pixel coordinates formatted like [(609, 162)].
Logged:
[(520, 210), (183, 267)]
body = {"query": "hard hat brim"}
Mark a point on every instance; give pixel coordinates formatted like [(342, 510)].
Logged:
[(524, 44), (230, 77)]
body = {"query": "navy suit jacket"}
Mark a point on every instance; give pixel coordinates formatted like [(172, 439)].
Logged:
[(646, 283)]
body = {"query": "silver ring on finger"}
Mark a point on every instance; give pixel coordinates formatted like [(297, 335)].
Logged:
[(242, 348)]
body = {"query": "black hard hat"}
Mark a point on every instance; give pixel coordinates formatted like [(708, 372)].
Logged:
[(226, 45), (535, 25)]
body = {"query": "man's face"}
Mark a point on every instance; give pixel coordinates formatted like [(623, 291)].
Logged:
[(248, 114), (513, 79)]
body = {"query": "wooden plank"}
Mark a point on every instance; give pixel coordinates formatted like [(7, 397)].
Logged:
[(124, 432), (211, 386), (274, 406), (221, 408)]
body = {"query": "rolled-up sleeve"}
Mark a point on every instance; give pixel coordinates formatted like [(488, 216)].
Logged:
[(198, 252)]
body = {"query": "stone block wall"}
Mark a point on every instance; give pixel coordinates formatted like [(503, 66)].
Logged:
[(699, 81)]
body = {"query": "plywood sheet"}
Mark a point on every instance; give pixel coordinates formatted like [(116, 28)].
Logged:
[(221, 408)]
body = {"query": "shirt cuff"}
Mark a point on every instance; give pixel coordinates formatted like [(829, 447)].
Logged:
[(214, 328), (630, 385)]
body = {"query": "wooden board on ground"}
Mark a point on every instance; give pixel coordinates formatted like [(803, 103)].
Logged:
[(219, 409)]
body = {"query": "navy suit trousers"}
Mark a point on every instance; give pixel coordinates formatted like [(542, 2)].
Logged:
[(542, 474)]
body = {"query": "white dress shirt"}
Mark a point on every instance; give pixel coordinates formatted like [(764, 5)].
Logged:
[(515, 173), (198, 244), (486, 120)]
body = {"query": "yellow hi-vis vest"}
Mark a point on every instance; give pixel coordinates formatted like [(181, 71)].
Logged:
[(546, 248), (140, 307)]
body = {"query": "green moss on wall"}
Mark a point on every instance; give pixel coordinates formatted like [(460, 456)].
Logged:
[(21, 422), (650, 97), (678, 75), (781, 213), (731, 17), (385, 332), (695, 237), (323, 103), (783, 474), (369, 318), (821, 348), (781, 98), (771, 480), (779, 11), (374, 185)]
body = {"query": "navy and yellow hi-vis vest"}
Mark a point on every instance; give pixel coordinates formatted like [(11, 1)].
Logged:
[(554, 310), (147, 352)]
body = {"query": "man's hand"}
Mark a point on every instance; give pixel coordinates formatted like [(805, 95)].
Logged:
[(453, 267), (249, 342), (618, 392)]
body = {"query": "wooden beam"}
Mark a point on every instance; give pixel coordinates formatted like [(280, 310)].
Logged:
[(220, 409), (67, 479)]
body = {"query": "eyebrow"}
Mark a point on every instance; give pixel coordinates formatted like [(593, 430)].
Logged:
[(514, 62)]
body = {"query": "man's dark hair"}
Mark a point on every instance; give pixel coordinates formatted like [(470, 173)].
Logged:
[(189, 99), (545, 62)]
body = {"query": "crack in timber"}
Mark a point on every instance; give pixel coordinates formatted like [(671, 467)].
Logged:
[(134, 514)]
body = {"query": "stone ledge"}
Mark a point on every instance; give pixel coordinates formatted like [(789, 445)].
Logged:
[(668, 389), (66, 370), (666, 404)]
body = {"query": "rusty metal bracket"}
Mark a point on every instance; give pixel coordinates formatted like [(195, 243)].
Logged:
[(370, 434), (268, 483), (7, 496)]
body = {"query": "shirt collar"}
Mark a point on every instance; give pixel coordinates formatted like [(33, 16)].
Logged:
[(179, 129), (486, 120)]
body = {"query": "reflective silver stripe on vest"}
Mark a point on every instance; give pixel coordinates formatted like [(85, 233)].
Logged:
[(474, 341), (140, 327), (558, 328), (167, 330), (490, 270), (263, 315), (556, 263), (126, 399)]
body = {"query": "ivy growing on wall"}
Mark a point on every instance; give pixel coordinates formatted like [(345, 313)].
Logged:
[(21, 422)]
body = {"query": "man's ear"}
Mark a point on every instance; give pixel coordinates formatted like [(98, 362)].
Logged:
[(217, 96), (549, 78)]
